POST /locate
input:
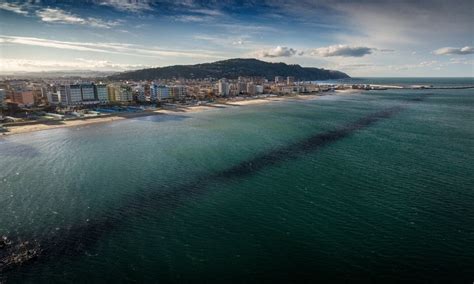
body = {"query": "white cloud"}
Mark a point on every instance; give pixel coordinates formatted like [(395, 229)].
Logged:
[(342, 50), (199, 15), (208, 12), (13, 8), (55, 15), (461, 61), (381, 23), (113, 48), (191, 18), (107, 65), (241, 41), (15, 65), (47, 43), (454, 51), (427, 63), (134, 6), (279, 51), (243, 28)]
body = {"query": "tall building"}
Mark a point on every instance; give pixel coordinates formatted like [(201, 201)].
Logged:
[(88, 93), (290, 80), (126, 94), (64, 94), (101, 93), (146, 89), (241, 87), (223, 87), (279, 79), (75, 94), (163, 92), (251, 90), (177, 91), (139, 92), (154, 92)]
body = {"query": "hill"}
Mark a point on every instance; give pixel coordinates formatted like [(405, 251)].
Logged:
[(231, 69)]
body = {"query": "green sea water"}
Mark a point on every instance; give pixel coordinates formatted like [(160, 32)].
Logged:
[(373, 186)]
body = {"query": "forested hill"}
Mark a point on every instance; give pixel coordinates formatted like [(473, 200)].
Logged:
[(231, 69)]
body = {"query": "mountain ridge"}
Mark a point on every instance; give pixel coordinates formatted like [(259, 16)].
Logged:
[(231, 69)]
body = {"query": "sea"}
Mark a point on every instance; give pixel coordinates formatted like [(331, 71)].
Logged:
[(376, 186)]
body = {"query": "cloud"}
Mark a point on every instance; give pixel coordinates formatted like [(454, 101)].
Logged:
[(107, 65), (454, 51), (243, 28), (279, 51), (192, 18), (242, 42), (208, 12), (133, 6), (112, 48), (15, 64), (342, 50), (13, 8), (377, 23), (47, 43), (461, 61), (199, 15), (55, 15)]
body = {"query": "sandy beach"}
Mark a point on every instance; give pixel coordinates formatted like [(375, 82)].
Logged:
[(40, 126)]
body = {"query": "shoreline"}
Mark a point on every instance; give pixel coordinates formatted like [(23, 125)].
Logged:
[(55, 124)]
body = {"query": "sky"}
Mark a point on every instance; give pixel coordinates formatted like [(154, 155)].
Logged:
[(364, 38)]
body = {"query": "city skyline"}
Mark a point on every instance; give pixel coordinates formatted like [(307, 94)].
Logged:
[(363, 38)]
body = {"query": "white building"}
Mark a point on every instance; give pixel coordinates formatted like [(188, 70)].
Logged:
[(290, 80), (223, 87), (54, 98), (65, 94)]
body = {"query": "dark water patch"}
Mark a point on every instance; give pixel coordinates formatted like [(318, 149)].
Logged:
[(79, 238), (420, 97), (310, 144)]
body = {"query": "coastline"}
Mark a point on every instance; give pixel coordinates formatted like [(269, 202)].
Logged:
[(42, 126)]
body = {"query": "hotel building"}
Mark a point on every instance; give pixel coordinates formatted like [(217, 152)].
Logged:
[(75, 94), (101, 93), (64, 94)]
